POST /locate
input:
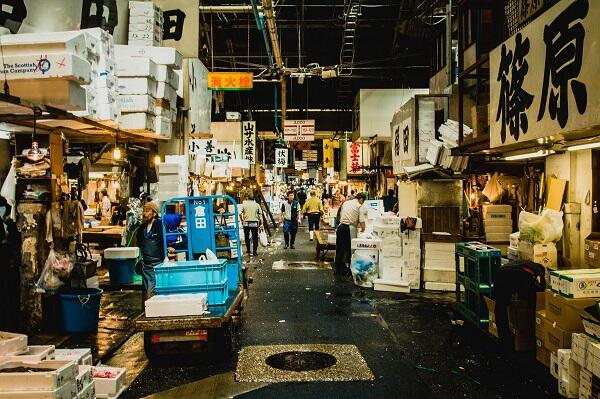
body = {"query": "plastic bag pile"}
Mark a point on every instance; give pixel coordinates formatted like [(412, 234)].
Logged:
[(544, 228)]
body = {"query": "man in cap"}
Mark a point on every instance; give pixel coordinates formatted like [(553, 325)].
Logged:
[(151, 242)]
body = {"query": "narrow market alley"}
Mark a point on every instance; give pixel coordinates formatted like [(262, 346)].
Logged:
[(415, 345)]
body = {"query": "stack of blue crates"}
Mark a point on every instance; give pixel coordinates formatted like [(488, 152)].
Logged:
[(194, 277), (481, 262)]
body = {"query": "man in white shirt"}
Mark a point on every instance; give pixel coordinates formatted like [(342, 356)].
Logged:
[(352, 216)]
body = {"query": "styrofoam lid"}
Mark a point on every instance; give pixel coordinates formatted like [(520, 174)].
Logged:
[(121, 253)]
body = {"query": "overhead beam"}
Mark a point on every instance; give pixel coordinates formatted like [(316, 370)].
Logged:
[(272, 27)]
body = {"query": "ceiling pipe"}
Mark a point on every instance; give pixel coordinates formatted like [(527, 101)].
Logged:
[(227, 9), (261, 28), (270, 18)]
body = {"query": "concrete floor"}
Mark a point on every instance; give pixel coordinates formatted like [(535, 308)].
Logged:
[(409, 342)]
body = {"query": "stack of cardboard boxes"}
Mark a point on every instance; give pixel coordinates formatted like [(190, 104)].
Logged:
[(497, 222)]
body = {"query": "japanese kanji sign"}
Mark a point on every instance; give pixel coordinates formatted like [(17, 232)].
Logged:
[(299, 130), (544, 79), (328, 154), (281, 157), (527, 8), (402, 144), (249, 141), (181, 22), (358, 157), (230, 80), (202, 146)]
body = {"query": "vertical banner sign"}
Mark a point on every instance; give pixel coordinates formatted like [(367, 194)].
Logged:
[(200, 99), (181, 24), (544, 80), (327, 154), (249, 141), (299, 130), (358, 156), (281, 157), (402, 145)]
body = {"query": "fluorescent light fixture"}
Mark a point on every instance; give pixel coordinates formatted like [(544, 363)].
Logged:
[(584, 146), (528, 155), (117, 153), (157, 160)]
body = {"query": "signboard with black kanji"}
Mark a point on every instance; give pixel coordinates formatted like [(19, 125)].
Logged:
[(249, 141), (544, 78)]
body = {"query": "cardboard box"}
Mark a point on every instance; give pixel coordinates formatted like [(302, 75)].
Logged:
[(592, 250), (439, 275), (542, 354), (492, 327), (540, 326), (564, 311), (557, 338), (580, 285), (555, 276), (544, 254)]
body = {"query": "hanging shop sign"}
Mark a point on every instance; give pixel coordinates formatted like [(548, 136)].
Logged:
[(299, 130), (402, 144), (300, 165), (281, 157), (249, 141), (327, 154), (202, 146), (358, 156), (310, 155), (181, 21), (527, 8), (230, 80), (544, 79)]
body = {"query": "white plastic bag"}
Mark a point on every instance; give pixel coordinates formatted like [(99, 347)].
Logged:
[(262, 237), (544, 228), (493, 190), (363, 268), (56, 271), (208, 255)]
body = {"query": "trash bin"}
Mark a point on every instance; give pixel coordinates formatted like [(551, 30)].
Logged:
[(80, 308), (121, 264)]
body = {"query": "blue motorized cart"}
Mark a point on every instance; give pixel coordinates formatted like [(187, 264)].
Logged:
[(191, 225)]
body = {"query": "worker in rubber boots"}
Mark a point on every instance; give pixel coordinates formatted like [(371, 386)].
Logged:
[(151, 242), (352, 217), (313, 209)]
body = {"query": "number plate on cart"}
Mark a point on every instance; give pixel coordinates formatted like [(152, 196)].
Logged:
[(201, 334)]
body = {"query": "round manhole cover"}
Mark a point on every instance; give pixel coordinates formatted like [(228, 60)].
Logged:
[(301, 361)]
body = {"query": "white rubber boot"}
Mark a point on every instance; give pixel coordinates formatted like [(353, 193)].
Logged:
[(312, 234)]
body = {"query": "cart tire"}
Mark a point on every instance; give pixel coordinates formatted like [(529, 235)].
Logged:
[(223, 342), (150, 348)]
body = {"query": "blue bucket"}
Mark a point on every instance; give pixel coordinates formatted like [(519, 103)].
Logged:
[(80, 309), (121, 271)]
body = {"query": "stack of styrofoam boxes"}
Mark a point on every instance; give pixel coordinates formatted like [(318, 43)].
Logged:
[(38, 377), (497, 221), (513, 248), (439, 266), (48, 68), (411, 255), (109, 382), (152, 96), (390, 258), (145, 24), (585, 359), (172, 180), (102, 94), (567, 372), (84, 381)]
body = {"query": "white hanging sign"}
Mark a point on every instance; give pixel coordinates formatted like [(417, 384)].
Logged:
[(249, 141), (281, 157)]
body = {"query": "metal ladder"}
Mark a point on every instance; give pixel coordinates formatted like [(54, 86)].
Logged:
[(352, 13)]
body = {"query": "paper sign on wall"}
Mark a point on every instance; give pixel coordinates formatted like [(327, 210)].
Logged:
[(299, 130), (249, 141), (358, 156), (281, 157)]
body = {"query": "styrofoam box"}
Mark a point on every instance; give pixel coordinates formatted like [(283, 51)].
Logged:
[(137, 121), (497, 237), (447, 287), (104, 80), (67, 391), (171, 186), (163, 126), (45, 43), (489, 209), (163, 112), (160, 55), (506, 230), (145, 38), (89, 392), (331, 238), (513, 253), (391, 251), (544, 254), (163, 196), (109, 386), (104, 65), (439, 275), (391, 285), (143, 8), (136, 67), (104, 95), (122, 253), (514, 239), (156, 18), (137, 103), (145, 26), (63, 372), (440, 248), (166, 91), (12, 343), (365, 243), (35, 353), (104, 112), (383, 220), (81, 356), (497, 216), (129, 86), (177, 305), (171, 168), (166, 74), (59, 65), (580, 285), (84, 378), (390, 273)]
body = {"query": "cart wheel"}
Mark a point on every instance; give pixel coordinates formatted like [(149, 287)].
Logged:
[(150, 348), (223, 342)]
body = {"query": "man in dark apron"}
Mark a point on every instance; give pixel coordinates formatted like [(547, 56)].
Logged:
[(151, 243)]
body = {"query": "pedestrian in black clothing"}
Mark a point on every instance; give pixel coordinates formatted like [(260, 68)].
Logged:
[(389, 201)]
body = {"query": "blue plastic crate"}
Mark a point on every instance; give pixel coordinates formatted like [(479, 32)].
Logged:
[(217, 293), (233, 274), (191, 273)]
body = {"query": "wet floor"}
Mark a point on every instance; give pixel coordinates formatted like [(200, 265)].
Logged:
[(411, 344)]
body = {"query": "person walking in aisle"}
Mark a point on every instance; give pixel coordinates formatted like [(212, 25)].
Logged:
[(313, 208), (290, 215), (150, 240), (389, 201), (351, 196), (251, 214), (352, 217), (302, 196)]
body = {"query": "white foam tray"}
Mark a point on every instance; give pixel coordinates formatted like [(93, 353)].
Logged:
[(79, 356), (12, 343), (111, 387), (67, 391), (35, 353), (63, 372)]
